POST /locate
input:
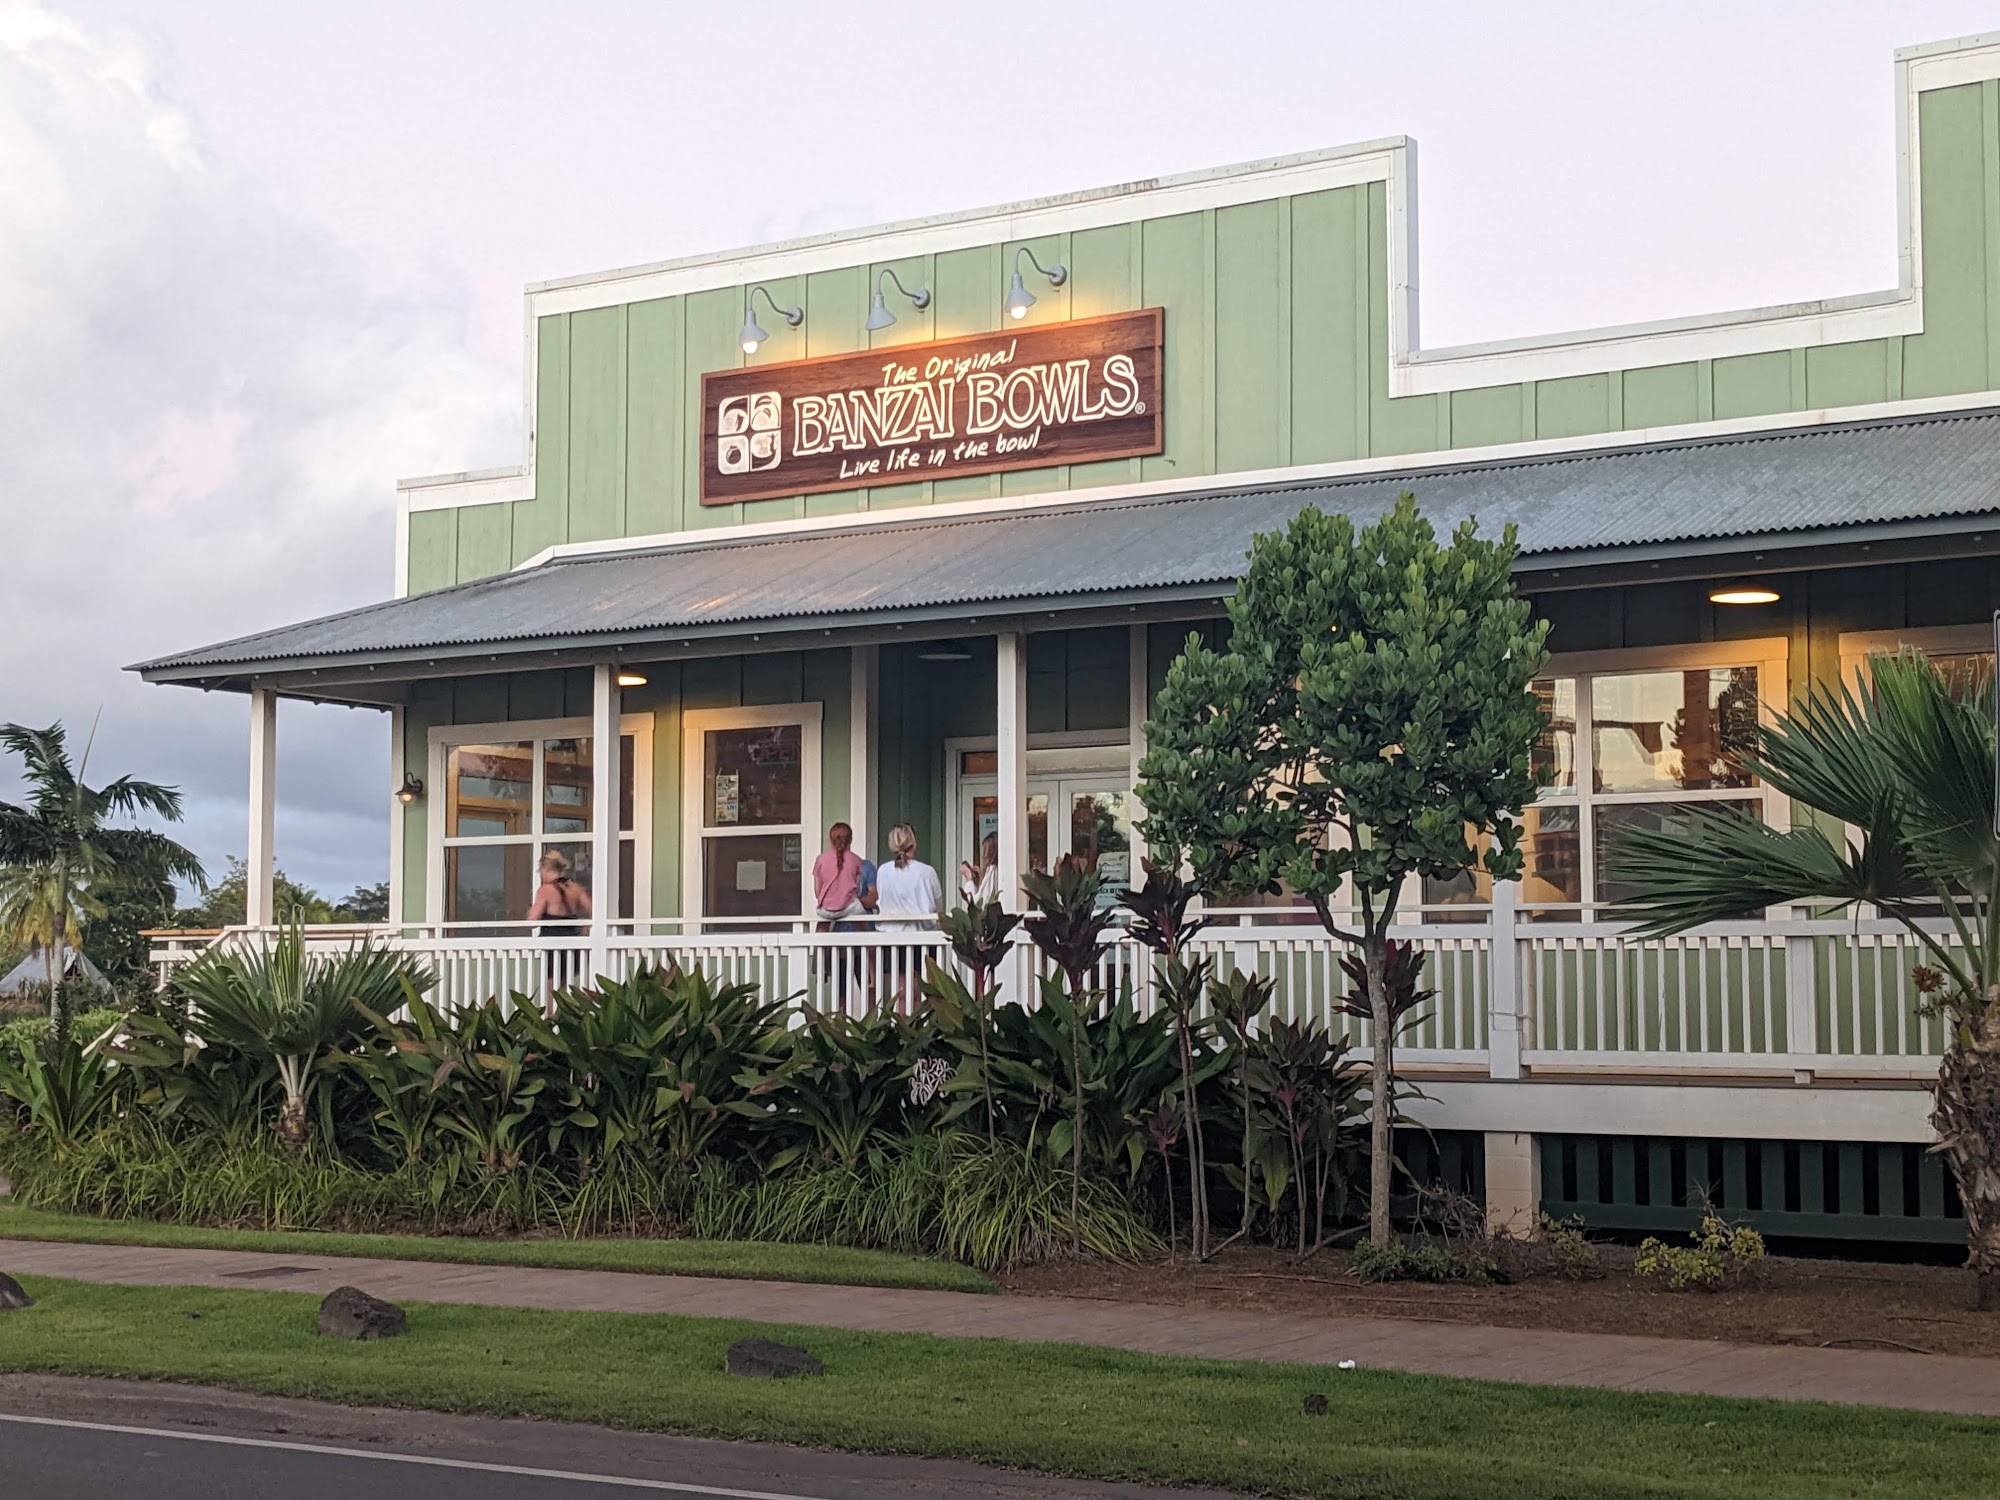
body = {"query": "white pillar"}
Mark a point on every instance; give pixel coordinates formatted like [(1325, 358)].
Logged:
[(260, 891), (398, 813), (605, 713), (1504, 1020), (1012, 745), (1138, 708), (864, 669), (1513, 1183)]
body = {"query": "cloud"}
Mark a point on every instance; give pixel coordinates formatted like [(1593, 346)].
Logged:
[(204, 404)]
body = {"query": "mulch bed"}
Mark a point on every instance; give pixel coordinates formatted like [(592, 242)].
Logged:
[(1831, 1303)]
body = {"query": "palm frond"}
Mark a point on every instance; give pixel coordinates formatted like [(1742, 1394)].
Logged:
[(1728, 864)]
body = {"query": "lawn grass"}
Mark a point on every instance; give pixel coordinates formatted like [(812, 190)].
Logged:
[(755, 1259), (1072, 1410)]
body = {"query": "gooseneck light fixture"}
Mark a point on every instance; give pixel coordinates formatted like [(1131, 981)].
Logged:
[(879, 316), (1019, 298), (753, 335), (411, 789)]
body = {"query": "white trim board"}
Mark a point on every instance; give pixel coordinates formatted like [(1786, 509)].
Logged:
[(1413, 370)]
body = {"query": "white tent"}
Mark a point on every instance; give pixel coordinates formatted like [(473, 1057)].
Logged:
[(34, 970)]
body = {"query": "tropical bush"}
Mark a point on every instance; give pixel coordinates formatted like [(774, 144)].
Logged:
[(278, 1088), (1721, 1253)]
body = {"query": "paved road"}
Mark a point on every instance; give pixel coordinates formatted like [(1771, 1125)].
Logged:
[(1868, 1377), (76, 1439)]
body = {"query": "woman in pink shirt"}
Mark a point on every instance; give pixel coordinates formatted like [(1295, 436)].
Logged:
[(836, 877)]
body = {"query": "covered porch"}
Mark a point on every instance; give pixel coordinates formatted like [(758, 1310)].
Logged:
[(992, 671)]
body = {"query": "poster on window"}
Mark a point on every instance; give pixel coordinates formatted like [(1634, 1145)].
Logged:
[(727, 803), (793, 853)]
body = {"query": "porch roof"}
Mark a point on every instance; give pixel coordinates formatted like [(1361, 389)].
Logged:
[(1766, 500)]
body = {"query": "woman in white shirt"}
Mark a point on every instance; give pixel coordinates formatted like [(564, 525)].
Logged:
[(907, 887)]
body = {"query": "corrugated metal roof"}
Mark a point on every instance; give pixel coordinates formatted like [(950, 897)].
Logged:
[(1706, 490)]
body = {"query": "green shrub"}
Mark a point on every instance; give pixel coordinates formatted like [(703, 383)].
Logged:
[(1721, 1253), (1423, 1262)]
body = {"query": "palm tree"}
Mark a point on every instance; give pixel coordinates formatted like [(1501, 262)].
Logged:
[(281, 1004), (58, 857), (1906, 763)]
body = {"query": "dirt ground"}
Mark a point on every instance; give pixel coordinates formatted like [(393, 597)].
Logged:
[(1830, 1303)]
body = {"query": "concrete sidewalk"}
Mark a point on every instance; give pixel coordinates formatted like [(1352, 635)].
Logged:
[(1616, 1361)]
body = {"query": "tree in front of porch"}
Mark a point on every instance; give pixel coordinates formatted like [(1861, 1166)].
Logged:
[(1369, 721), (1906, 762)]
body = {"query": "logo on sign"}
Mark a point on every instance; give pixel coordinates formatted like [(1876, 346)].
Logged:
[(749, 437)]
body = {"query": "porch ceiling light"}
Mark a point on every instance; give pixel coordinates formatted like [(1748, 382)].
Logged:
[(411, 789), (753, 334), (879, 316), (1743, 591), (945, 651), (629, 678), (1019, 298)]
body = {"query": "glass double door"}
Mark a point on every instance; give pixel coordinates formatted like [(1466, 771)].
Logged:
[(1085, 817)]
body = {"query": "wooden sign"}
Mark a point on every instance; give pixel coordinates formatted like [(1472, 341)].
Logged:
[(1023, 398)]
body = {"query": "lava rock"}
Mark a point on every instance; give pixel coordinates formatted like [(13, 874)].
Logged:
[(12, 1298), (1316, 1404), (762, 1359), (350, 1313)]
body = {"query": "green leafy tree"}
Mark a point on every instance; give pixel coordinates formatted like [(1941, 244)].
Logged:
[(1370, 719), (227, 902), (1907, 763), (62, 857)]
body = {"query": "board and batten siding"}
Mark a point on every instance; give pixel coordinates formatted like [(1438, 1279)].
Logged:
[(1277, 353)]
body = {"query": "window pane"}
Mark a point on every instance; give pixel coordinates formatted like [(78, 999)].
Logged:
[(1555, 752), (1653, 731), (487, 882), (1038, 833), (1551, 867), (1665, 817), (979, 763), (1965, 672), (757, 875), (566, 785), (628, 877), (753, 777), (580, 866), (488, 790), (1100, 835)]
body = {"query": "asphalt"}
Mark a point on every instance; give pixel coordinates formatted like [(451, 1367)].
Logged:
[(1866, 1377), (64, 1438)]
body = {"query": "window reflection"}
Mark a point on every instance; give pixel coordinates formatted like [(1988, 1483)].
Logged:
[(1652, 731)]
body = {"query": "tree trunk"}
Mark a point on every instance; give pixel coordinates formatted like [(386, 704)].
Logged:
[(1381, 1076), (1966, 1115), (292, 1121), (1076, 1126)]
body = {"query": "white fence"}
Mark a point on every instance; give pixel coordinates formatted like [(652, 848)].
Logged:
[(1543, 991)]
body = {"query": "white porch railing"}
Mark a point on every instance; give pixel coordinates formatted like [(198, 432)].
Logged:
[(1516, 991)]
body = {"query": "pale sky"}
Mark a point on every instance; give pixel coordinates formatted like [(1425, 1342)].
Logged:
[(259, 260)]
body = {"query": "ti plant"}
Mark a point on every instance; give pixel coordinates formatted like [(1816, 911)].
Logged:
[(980, 935), (1236, 999), (1160, 921), (1068, 925)]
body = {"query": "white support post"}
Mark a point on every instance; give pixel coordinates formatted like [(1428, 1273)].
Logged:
[(398, 814), (1801, 998), (260, 890), (604, 723), (1138, 709), (1504, 1021), (1012, 745), (1513, 1183), (864, 675)]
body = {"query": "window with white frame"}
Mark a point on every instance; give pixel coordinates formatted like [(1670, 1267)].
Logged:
[(516, 792), (1964, 653), (752, 779), (1635, 740)]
